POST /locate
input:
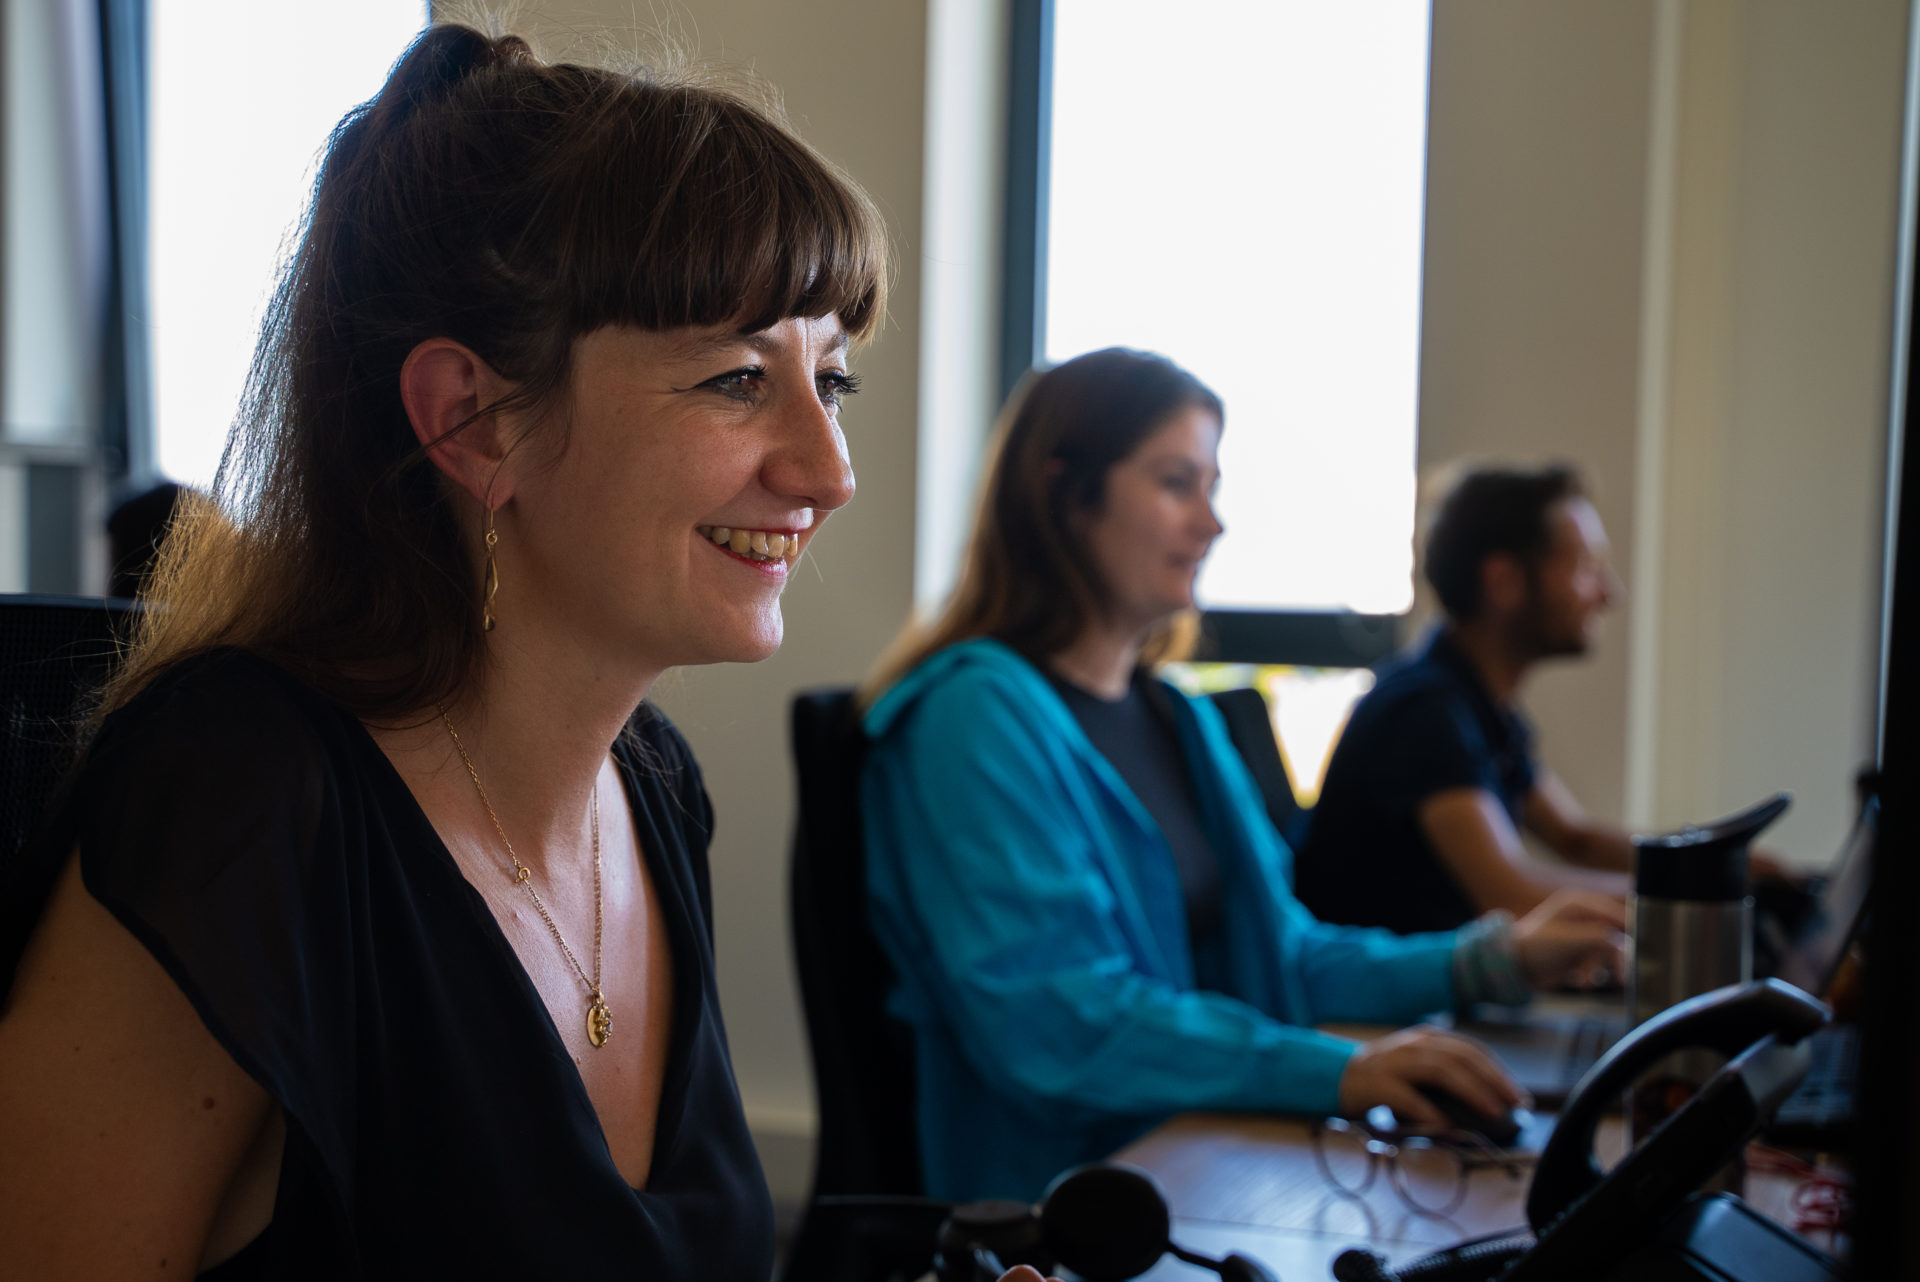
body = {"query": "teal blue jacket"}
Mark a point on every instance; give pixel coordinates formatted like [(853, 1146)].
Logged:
[(1032, 911)]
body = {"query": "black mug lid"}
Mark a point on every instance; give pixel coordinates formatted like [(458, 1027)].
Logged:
[(1703, 862), (1714, 875)]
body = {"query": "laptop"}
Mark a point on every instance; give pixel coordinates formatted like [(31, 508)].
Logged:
[(1549, 1046), (1820, 1110)]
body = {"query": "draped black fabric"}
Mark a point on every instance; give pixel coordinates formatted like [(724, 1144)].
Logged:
[(258, 842)]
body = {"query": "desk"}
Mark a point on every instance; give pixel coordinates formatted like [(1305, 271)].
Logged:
[(1250, 1184)]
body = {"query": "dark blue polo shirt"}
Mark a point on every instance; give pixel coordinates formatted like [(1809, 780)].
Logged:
[(1427, 725)]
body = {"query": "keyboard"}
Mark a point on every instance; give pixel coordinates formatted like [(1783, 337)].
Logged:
[(1820, 1110), (1589, 1039)]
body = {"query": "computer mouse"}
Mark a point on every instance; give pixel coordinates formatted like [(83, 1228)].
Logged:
[(1498, 1129)]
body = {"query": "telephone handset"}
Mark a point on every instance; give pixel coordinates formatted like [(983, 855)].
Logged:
[(1581, 1215), (1587, 1223)]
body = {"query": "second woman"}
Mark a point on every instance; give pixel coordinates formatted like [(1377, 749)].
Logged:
[(1073, 873)]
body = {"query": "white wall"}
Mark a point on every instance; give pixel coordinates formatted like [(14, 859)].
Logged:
[(960, 306), (1758, 669)]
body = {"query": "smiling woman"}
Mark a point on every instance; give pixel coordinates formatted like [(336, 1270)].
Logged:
[(388, 909)]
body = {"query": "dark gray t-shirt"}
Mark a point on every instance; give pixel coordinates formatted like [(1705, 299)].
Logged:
[(1137, 736)]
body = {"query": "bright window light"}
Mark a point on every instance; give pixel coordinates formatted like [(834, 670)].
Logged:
[(1241, 188), (245, 93), (1309, 708)]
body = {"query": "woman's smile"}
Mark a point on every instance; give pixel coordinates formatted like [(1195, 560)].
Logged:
[(770, 552)]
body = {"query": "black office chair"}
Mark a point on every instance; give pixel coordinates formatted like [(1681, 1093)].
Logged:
[(865, 1221), (55, 654), (1250, 725), (862, 1060)]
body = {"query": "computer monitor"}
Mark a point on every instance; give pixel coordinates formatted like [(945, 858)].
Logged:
[(1820, 944), (1887, 1239)]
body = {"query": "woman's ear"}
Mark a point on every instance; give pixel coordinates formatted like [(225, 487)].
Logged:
[(444, 386)]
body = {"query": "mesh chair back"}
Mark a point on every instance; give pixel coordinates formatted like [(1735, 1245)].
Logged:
[(865, 1221), (55, 653), (1250, 725), (862, 1060)]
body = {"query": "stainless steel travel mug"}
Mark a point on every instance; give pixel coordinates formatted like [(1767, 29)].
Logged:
[(1691, 917)]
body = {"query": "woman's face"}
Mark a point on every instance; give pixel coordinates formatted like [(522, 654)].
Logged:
[(696, 466), (1156, 521)]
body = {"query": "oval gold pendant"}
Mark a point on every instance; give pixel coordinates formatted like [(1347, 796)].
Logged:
[(599, 1021)]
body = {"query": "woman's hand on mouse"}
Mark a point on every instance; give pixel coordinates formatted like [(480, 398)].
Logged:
[(1573, 935), (1389, 1070)]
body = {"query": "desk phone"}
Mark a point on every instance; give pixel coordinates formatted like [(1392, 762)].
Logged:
[(1646, 1219)]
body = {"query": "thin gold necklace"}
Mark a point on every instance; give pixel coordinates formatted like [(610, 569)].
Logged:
[(599, 1018)]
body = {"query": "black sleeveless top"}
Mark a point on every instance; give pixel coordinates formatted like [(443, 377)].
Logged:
[(254, 837)]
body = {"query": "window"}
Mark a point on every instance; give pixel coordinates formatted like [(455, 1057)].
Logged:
[(1241, 187), (244, 97), (1308, 707)]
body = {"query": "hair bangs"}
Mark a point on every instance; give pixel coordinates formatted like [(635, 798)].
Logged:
[(724, 219)]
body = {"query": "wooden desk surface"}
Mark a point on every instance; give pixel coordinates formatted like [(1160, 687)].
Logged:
[(1251, 1184)]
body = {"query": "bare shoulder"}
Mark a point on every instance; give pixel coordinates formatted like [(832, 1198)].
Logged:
[(122, 1119)]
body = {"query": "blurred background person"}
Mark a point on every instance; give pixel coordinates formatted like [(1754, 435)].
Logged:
[(1435, 777), (1075, 877)]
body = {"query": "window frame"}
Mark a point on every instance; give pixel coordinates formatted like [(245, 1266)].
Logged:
[(1301, 638)]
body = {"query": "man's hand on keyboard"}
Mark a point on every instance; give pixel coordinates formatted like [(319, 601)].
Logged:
[(1574, 935)]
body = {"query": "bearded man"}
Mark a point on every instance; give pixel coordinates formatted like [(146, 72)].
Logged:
[(1434, 779)]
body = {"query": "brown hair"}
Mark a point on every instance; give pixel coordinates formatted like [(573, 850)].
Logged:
[(1025, 579), (1489, 511), (513, 206)]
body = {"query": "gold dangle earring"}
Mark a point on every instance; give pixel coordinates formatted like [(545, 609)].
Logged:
[(493, 576)]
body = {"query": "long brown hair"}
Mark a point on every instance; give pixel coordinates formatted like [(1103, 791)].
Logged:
[(513, 206), (1025, 580)]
